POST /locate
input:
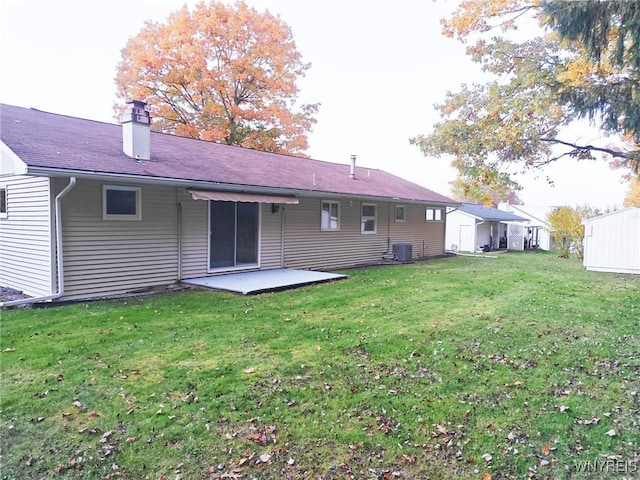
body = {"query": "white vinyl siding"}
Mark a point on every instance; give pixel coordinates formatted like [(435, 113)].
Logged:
[(461, 232), (612, 242), (26, 251), (108, 257)]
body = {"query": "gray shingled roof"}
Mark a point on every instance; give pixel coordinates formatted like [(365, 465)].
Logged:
[(67, 144), (490, 214)]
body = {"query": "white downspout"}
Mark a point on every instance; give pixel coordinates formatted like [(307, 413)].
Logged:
[(59, 256)]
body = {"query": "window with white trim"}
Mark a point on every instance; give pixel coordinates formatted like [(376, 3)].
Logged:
[(368, 218), (329, 216), (121, 203), (401, 213), (3, 201), (434, 215)]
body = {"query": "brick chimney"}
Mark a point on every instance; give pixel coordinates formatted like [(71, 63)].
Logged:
[(136, 131)]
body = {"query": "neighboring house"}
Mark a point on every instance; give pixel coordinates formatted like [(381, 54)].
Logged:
[(91, 209), (472, 228), (537, 232), (612, 242)]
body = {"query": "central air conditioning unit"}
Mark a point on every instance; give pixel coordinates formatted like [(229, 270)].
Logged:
[(402, 252)]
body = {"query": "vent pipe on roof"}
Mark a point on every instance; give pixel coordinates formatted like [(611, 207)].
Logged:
[(136, 131), (352, 174)]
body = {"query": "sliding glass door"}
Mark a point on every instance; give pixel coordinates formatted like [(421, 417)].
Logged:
[(233, 234)]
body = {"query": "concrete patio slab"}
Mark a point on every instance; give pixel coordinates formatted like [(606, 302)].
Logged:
[(249, 283)]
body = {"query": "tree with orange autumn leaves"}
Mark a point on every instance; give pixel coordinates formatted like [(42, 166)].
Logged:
[(584, 65), (220, 73)]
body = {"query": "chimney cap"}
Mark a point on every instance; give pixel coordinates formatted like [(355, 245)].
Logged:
[(136, 112), (137, 103)]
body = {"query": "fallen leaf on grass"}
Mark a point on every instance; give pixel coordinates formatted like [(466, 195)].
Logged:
[(249, 370), (545, 450), (611, 433), (591, 421), (105, 436), (233, 474), (9, 349), (486, 476), (265, 457)]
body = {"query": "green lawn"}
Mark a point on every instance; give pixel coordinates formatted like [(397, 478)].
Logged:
[(525, 366)]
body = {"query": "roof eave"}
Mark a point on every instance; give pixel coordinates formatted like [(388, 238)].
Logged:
[(186, 183)]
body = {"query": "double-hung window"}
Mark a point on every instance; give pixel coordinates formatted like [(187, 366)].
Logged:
[(368, 218), (121, 203), (330, 216)]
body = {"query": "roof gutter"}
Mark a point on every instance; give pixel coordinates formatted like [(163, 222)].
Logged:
[(59, 255)]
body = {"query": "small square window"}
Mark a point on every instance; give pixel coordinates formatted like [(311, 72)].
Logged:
[(330, 216), (121, 203), (368, 218), (3, 202), (401, 213), (434, 215)]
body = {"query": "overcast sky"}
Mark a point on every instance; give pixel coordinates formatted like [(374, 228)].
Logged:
[(378, 67)]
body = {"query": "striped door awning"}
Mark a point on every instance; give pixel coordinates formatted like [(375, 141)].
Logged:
[(242, 197)]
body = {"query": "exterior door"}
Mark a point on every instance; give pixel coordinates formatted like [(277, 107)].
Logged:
[(466, 239), (233, 234)]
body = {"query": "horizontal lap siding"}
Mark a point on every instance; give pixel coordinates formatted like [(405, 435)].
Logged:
[(26, 236), (306, 246), (426, 238), (110, 257), (194, 242), (270, 238)]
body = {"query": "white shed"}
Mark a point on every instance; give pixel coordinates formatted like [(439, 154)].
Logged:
[(473, 228), (612, 242)]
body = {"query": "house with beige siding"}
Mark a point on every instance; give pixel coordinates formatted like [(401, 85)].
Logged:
[(91, 209)]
